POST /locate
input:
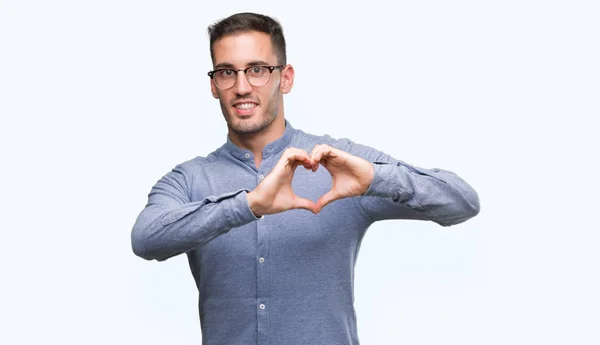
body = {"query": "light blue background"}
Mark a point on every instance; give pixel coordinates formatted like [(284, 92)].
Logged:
[(99, 99)]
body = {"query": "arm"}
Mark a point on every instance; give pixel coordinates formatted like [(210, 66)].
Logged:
[(171, 224), (402, 191)]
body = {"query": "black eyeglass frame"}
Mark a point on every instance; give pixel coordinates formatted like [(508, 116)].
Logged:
[(245, 70)]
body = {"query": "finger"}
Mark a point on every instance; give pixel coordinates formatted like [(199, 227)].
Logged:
[(316, 150), (325, 199), (305, 204), (308, 163), (307, 166), (294, 165), (322, 153), (312, 152), (296, 156), (316, 156), (320, 159), (291, 151), (314, 165)]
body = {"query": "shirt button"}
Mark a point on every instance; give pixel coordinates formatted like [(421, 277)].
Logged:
[(262, 177), (262, 307), (247, 155), (261, 260), (270, 148)]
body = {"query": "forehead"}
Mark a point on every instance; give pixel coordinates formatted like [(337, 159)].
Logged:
[(242, 48)]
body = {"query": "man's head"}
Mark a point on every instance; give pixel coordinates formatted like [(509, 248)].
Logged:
[(254, 44)]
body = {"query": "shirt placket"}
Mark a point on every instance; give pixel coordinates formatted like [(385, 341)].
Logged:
[(262, 274)]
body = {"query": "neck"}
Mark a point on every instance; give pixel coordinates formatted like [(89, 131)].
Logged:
[(255, 142)]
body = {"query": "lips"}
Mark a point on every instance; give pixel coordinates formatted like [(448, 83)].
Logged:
[(246, 105), (245, 108)]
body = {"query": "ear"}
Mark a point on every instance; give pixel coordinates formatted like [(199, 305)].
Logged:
[(213, 89), (287, 79)]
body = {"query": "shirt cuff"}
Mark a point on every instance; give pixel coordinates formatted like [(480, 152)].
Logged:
[(391, 180), (379, 186), (240, 209)]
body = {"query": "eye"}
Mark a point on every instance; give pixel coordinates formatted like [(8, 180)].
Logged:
[(226, 73), (256, 71)]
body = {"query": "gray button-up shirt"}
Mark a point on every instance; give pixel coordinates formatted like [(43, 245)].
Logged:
[(284, 278)]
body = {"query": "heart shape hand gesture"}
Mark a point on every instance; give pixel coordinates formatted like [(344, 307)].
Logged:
[(351, 176)]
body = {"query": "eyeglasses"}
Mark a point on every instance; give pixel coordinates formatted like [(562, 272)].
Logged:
[(225, 78)]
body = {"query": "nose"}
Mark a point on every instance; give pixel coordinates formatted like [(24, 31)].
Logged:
[(242, 86)]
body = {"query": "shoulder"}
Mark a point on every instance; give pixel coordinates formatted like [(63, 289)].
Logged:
[(189, 173), (306, 140), (198, 163)]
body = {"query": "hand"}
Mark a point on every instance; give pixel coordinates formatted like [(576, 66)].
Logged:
[(274, 193), (351, 175)]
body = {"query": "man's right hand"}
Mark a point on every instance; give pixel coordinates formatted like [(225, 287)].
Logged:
[(274, 193)]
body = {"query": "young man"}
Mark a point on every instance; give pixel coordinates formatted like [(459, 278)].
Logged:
[(271, 265)]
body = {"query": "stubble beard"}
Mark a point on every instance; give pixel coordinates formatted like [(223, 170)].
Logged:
[(248, 126)]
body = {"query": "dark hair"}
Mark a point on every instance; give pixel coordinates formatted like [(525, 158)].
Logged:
[(244, 22)]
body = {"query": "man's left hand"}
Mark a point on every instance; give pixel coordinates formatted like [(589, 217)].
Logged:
[(351, 175)]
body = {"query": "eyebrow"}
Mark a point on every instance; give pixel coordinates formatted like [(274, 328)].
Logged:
[(249, 64)]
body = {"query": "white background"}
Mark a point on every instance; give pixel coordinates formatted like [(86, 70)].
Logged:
[(99, 99)]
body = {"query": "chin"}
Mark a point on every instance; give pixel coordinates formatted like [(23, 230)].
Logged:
[(247, 126)]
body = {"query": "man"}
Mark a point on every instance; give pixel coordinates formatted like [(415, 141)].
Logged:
[(271, 265)]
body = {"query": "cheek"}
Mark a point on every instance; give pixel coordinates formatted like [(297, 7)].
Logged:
[(274, 93), (224, 97), (223, 103)]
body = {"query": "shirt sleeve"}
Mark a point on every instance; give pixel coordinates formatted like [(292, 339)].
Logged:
[(403, 191), (170, 224)]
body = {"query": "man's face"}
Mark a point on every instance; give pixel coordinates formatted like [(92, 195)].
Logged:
[(247, 108)]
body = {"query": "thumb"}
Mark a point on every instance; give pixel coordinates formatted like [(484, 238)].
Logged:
[(305, 204), (325, 199)]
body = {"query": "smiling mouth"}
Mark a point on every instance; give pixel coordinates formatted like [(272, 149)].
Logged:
[(245, 106), (245, 109)]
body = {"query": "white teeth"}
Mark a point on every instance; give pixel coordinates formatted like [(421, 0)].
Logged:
[(245, 105)]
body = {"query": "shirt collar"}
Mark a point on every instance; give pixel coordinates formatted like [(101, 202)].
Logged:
[(270, 149)]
